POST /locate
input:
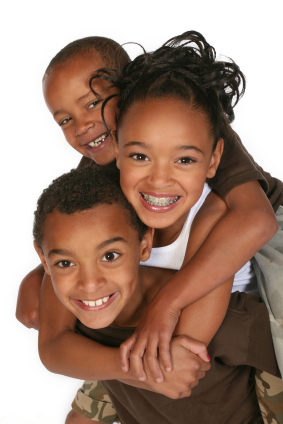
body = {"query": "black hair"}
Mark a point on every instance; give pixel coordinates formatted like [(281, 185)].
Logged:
[(83, 189), (184, 67), (112, 53)]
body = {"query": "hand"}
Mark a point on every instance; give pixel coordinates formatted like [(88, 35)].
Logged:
[(27, 311), (190, 363), (153, 336)]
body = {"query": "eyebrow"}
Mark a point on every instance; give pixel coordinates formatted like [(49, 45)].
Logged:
[(59, 252), (110, 241), (84, 96), (180, 147)]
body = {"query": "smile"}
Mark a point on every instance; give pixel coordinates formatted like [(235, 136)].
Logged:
[(97, 302), (98, 140), (159, 201)]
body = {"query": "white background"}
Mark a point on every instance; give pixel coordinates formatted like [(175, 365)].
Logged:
[(33, 150)]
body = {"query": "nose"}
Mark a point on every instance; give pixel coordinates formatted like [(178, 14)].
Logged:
[(90, 280), (161, 176), (83, 125)]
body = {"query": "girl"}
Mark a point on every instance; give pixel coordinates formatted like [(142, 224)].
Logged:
[(163, 200)]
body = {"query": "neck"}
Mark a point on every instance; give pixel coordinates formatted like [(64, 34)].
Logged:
[(166, 236), (150, 280)]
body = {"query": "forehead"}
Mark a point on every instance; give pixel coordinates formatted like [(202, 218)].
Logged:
[(72, 76), (167, 120), (87, 228)]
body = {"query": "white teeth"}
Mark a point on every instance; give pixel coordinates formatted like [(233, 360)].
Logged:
[(97, 302), (159, 201), (98, 141)]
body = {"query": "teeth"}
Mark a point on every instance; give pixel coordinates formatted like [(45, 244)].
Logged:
[(98, 141), (159, 201), (97, 302)]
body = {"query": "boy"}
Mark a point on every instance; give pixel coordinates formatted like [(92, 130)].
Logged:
[(70, 100), (90, 242)]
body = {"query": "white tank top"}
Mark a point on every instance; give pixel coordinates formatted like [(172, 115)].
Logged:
[(172, 256)]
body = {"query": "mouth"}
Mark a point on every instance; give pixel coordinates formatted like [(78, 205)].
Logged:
[(159, 201), (97, 304), (98, 140)]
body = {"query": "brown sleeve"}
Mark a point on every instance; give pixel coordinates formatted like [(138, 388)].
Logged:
[(238, 167), (244, 337)]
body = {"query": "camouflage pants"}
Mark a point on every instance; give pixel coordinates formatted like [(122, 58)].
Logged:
[(269, 390), (93, 402)]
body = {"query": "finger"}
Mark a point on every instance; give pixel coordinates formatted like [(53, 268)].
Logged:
[(125, 350), (185, 394), (198, 348), (136, 359), (164, 350), (151, 359)]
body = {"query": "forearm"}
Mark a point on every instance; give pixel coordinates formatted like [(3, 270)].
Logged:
[(232, 241)]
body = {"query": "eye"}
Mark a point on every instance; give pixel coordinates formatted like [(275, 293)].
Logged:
[(65, 264), (93, 104), (110, 256), (186, 160), (64, 121), (139, 157)]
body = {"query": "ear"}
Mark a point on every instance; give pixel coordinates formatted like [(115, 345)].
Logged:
[(215, 159), (114, 137), (146, 245), (41, 257)]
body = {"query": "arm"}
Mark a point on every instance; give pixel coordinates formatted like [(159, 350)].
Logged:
[(233, 238), (66, 352), (27, 311)]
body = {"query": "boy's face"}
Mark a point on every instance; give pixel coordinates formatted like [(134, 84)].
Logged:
[(93, 260), (77, 110), (165, 155)]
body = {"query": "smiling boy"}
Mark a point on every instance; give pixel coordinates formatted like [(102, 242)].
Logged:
[(91, 241)]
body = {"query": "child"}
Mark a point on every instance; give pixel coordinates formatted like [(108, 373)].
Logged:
[(90, 242), (258, 212), (236, 167)]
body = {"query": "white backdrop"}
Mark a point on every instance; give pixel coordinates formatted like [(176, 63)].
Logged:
[(34, 150)]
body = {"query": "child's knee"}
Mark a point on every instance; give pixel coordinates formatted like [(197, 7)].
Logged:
[(74, 418)]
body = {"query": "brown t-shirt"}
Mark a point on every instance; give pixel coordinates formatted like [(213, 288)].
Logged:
[(227, 393), (236, 167)]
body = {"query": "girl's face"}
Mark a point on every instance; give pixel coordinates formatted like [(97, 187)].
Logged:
[(77, 110), (165, 155)]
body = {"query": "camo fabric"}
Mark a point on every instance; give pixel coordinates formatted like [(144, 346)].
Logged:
[(269, 390), (93, 402), (268, 266)]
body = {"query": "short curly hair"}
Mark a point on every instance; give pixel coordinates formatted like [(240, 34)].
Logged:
[(111, 52), (83, 189)]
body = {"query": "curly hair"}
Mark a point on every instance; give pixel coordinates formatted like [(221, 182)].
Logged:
[(83, 189), (112, 53), (184, 67)]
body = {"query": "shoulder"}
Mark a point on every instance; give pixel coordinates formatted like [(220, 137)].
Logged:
[(153, 279), (212, 210)]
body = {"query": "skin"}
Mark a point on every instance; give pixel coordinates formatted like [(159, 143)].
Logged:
[(77, 110), (107, 265), (165, 150)]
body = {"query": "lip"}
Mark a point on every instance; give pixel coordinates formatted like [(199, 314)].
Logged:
[(101, 146), (88, 308), (159, 209)]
